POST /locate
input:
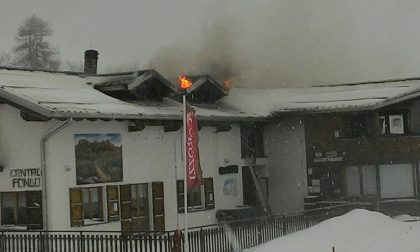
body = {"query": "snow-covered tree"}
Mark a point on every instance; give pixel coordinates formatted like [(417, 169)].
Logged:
[(32, 49), (6, 60)]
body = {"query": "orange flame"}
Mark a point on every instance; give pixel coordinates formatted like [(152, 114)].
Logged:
[(184, 83), (226, 84)]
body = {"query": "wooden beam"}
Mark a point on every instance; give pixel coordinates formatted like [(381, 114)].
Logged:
[(33, 117), (223, 127), (170, 126)]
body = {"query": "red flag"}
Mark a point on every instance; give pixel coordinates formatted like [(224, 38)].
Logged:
[(194, 173)]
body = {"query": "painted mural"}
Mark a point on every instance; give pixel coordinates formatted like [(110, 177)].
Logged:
[(98, 158)]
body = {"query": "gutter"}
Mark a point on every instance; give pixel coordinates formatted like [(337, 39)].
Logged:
[(44, 139)]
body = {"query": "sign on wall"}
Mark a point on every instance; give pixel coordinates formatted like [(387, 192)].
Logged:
[(329, 156), (26, 178), (98, 158), (229, 187)]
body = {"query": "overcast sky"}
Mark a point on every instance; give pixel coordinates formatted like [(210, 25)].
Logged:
[(258, 42)]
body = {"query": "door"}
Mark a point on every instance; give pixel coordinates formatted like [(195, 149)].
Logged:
[(249, 190)]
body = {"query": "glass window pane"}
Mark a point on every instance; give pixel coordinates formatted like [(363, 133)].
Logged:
[(21, 209), (7, 208), (396, 124), (396, 181), (369, 181), (86, 204), (353, 181)]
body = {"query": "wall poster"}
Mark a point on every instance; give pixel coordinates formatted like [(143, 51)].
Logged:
[(98, 158), (229, 187)]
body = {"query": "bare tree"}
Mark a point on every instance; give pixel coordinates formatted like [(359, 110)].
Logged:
[(32, 50), (6, 60)]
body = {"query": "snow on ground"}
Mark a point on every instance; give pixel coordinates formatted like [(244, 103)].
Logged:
[(357, 231)]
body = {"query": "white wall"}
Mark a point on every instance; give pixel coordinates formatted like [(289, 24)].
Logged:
[(148, 156), (285, 149), (19, 146)]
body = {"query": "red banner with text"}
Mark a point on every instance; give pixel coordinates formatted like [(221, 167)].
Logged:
[(194, 173)]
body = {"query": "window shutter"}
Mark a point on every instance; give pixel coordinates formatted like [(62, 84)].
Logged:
[(76, 207), (113, 205), (125, 202), (34, 209), (209, 193), (158, 206)]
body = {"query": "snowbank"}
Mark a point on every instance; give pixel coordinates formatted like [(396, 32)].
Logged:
[(358, 230)]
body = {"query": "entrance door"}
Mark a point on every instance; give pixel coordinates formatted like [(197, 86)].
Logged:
[(249, 190)]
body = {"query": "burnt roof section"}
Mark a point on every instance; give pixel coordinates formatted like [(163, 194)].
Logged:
[(144, 85), (204, 89)]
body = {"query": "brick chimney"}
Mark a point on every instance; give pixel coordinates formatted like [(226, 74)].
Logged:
[(91, 62)]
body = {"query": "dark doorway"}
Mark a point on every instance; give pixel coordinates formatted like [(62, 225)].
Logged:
[(249, 190)]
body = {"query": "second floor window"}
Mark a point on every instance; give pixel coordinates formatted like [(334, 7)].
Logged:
[(356, 126), (392, 123)]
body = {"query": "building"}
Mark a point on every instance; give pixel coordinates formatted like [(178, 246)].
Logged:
[(87, 151), (343, 143), (104, 152)]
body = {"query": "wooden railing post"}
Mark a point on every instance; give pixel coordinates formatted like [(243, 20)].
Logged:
[(284, 225), (201, 234), (82, 242), (306, 221), (259, 230), (2, 249)]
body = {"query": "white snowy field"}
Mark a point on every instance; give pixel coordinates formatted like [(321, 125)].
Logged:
[(357, 231)]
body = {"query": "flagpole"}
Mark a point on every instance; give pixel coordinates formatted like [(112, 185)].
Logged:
[(184, 103)]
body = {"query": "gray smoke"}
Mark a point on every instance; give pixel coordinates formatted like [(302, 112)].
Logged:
[(216, 56), (300, 43)]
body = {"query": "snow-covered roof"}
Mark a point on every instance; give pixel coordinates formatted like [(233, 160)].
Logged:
[(62, 95), (337, 98)]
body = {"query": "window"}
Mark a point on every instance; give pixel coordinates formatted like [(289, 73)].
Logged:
[(361, 181), (356, 126), (392, 123), (396, 181), (13, 208), (141, 206), (199, 197), (86, 206), (22, 209)]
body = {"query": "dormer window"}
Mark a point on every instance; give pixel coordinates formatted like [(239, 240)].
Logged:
[(146, 85), (204, 89)]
